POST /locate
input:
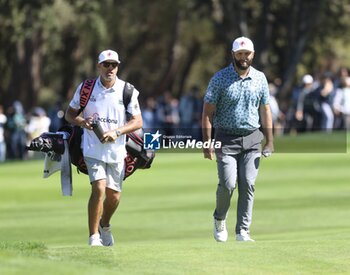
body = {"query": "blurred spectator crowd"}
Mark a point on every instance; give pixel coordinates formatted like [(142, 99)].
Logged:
[(174, 116), (18, 128), (317, 103)]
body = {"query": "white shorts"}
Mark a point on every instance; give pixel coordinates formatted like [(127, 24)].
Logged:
[(112, 172)]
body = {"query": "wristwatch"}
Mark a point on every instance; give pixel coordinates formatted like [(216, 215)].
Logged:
[(118, 133)]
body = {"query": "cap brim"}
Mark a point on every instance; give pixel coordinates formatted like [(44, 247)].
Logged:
[(109, 60), (247, 50)]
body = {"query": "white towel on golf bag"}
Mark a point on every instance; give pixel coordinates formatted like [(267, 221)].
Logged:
[(52, 166)]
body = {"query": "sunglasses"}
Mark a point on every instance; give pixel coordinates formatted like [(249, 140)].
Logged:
[(107, 64)]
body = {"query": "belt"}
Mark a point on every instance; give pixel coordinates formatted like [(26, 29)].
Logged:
[(234, 133)]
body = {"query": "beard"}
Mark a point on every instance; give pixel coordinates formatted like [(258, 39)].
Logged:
[(108, 77), (242, 64)]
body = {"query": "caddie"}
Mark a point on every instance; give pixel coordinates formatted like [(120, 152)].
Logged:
[(104, 157)]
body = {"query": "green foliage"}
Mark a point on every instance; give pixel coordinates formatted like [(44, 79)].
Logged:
[(51, 45)]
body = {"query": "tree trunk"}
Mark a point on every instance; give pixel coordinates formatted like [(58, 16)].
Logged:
[(192, 55), (166, 80), (263, 36), (304, 19), (25, 81), (69, 58)]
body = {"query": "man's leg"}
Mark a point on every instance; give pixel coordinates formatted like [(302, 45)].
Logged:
[(248, 166), (227, 171), (110, 205), (115, 175), (95, 206)]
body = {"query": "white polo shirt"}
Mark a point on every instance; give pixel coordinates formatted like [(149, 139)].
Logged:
[(107, 106)]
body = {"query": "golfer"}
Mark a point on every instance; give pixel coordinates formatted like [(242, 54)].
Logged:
[(105, 157), (236, 105)]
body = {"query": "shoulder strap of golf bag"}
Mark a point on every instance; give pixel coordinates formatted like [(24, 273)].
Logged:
[(76, 132), (127, 94), (85, 93), (88, 86)]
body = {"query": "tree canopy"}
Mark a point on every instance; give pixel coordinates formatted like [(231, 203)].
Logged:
[(49, 46)]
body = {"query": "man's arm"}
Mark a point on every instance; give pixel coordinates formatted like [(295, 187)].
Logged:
[(207, 120), (132, 125), (72, 116), (266, 122)]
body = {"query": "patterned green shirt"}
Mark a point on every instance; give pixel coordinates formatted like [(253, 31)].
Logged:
[(237, 99)]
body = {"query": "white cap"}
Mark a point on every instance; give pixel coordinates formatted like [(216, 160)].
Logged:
[(308, 79), (108, 55), (242, 43)]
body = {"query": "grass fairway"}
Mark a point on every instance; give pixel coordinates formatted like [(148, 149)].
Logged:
[(301, 220)]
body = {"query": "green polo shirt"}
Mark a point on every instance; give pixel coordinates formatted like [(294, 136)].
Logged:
[(237, 99)]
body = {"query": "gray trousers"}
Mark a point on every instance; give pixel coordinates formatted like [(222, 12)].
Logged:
[(238, 165)]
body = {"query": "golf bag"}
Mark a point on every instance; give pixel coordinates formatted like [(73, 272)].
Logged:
[(53, 144)]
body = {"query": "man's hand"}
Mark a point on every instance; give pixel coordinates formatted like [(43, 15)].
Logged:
[(267, 150), (109, 136), (86, 123), (208, 153), (72, 116)]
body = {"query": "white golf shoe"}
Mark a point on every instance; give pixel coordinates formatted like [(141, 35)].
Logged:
[(106, 235), (220, 231), (95, 240), (244, 236)]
